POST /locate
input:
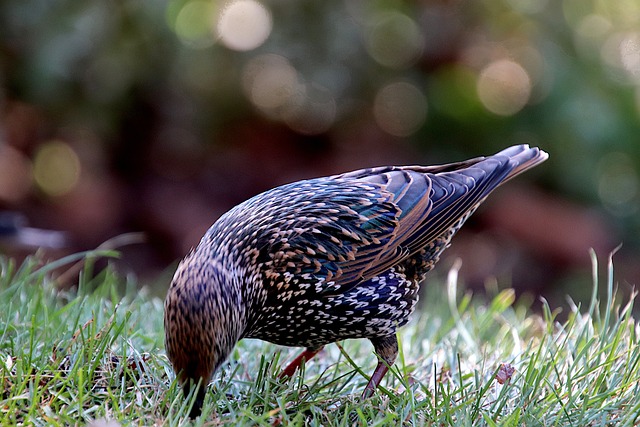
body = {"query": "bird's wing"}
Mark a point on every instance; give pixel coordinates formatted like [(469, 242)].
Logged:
[(331, 230), (348, 228)]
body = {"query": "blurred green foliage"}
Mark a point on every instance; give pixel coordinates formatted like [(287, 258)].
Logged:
[(155, 87)]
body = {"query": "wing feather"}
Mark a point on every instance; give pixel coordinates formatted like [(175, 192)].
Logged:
[(348, 228)]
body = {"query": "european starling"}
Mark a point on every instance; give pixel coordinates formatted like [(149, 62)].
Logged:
[(321, 260)]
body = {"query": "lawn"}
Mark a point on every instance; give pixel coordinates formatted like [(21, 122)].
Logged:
[(97, 353)]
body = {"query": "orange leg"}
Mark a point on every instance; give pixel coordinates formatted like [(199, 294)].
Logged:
[(291, 368)]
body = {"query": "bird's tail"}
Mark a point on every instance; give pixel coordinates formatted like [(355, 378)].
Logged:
[(456, 190), (522, 158)]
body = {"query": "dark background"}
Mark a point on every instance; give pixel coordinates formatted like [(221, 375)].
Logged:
[(158, 116)]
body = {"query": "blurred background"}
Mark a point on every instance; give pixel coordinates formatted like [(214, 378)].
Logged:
[(160, 115)]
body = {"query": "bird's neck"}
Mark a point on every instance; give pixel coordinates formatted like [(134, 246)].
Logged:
[(217, 287)]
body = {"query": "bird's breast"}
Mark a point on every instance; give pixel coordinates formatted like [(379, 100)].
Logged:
[(298, 315)]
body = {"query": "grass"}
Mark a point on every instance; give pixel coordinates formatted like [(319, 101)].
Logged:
[(70, 358)]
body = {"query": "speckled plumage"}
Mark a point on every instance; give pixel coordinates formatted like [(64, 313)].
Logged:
[(322, 260)]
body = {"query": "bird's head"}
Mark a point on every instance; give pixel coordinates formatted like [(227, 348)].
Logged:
[(203, 320)]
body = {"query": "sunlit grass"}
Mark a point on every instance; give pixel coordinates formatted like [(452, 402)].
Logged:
[(67, 358)]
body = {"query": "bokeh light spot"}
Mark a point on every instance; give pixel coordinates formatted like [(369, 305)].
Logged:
[(591, 33), (56, 168), (504, 87), (271, 83), (630, 54), (244, 25), (394, 40), (621, 53), (618, 184), (193, 24), (15, 174), (528, 6), (400, 108), (316, 115)]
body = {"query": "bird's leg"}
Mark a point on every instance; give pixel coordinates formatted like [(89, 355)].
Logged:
[(387, 350), (306, 355), (376, 377), (196, 409)]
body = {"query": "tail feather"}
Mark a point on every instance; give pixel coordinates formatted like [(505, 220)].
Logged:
[(524, 159), (434, 204)]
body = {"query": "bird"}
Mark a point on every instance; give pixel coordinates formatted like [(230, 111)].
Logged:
[(322, 260)]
